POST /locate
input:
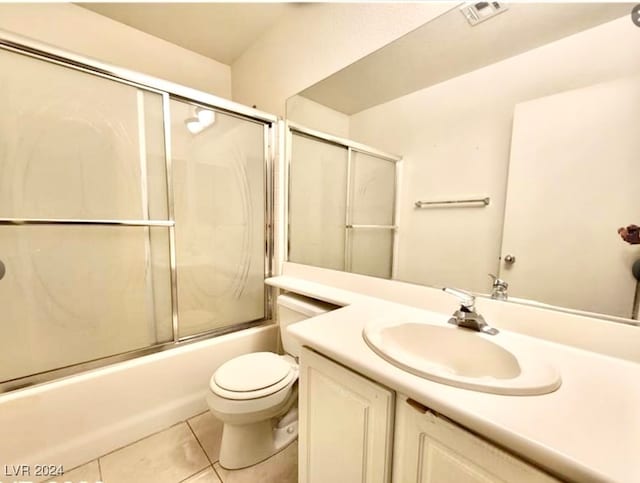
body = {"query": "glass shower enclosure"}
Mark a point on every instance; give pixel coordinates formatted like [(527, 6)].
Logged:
[(134, 214), (341, 203)]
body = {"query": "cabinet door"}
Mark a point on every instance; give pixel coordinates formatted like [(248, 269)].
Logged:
[(346, 424), (428, 448)]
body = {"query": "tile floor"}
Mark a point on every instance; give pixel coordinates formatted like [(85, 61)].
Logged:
[(184, 453)]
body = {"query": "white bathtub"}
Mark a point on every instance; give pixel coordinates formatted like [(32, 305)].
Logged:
[(74, 420)]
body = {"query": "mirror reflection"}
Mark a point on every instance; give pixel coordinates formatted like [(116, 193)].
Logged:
[(342, 204), (517, 161)]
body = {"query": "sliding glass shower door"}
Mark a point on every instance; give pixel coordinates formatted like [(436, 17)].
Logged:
[(82, 182), (341, 204), (129, 220), (317, 202), (372, 215), (219, 191)]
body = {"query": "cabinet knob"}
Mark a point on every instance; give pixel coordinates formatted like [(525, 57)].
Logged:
[(509, 259)]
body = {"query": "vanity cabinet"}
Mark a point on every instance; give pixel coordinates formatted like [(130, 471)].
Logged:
[(430, 448), (349, 426), (346, 424)]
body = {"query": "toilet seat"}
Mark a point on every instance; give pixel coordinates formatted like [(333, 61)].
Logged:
[(252, 376), (256, 395)]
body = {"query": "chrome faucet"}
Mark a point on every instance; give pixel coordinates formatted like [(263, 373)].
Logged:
[(466, 316), (499, 288)]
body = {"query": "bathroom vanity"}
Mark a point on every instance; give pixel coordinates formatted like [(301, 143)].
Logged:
[(368, 419), (353, 429)]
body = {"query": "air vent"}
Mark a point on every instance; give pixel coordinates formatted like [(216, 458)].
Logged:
[(476, 12)]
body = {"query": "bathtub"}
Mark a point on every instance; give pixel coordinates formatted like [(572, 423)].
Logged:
[(76, 419)]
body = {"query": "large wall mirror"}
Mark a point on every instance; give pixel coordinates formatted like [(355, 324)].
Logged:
[(517, 140)]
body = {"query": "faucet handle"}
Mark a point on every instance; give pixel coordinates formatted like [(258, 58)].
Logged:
[(498, 282), (499, 288), (467, 299)]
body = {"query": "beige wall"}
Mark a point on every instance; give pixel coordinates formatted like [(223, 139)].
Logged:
[(317, 40), (84, 32), (455, 138)]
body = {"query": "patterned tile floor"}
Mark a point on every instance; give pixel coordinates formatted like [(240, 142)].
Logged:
[(184, 453)]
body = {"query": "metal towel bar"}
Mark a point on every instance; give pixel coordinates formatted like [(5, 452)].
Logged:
[(382, 227), (59, 221), (485, 201)]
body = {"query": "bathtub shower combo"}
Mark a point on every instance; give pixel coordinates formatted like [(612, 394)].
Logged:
[(135, 214)]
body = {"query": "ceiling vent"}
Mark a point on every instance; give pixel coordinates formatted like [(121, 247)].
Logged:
[(476, 12)]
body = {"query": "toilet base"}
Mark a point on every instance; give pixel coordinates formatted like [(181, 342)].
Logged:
[(248, 444)]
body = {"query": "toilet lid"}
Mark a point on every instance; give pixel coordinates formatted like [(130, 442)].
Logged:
[(251, 372)]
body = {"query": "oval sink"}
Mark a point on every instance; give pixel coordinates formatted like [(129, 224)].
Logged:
[(461, 357)]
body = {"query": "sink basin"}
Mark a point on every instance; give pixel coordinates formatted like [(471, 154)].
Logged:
[(461, 357)]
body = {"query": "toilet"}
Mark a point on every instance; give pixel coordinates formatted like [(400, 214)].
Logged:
[(256, 395)]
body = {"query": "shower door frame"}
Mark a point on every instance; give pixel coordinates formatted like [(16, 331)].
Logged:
[(351, 146), (168, 90)]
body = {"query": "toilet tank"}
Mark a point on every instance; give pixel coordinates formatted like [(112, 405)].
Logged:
[(294, 308)]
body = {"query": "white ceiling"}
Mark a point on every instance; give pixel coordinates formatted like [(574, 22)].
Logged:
[(220, 31), (447, 47)]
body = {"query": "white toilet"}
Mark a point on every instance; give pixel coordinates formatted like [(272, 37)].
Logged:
[(256, 395)]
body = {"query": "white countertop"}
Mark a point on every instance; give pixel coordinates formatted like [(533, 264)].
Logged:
[(588, 430)]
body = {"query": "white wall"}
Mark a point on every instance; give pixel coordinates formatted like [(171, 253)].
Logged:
[(316, 116), (317, 40), (455, 139), (84, 32)]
